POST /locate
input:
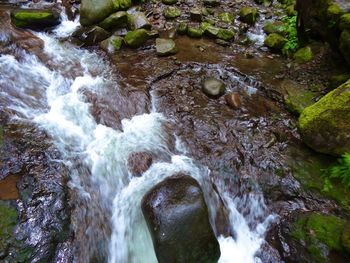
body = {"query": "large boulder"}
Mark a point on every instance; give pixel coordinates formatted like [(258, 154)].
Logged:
[(94, 11), (177, 218), (32, 18), (325, 125)]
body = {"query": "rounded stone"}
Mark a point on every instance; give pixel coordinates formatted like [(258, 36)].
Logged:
[(213, 87)]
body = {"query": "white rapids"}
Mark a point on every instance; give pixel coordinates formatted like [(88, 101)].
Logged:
[(52, 98)]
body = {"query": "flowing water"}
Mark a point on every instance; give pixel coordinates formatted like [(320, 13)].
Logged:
[(52, 95)]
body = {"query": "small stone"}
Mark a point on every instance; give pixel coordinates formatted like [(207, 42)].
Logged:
[(138, 20), (165, 47), (112, 44), (213, 87), (227, 18), (233, 100), (275, 41), (182, 28), (172, 12), (303, 55)]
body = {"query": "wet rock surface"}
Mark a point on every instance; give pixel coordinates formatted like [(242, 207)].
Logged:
[(138, 163), (177, 218)]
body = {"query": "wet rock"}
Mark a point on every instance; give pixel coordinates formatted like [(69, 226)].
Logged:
[(213, 87), (116, 20), (211, 3), (139, 162), (138, 20), (91, 35), (165, 47), (35, 19), (112, 44), (177, 217), (182, 28), (248, 15), (169, 2), (196, 15), (225, 34), (92, 12), (297, 97), (233, 100), (172, 12), (345, 238), (277, 27), (136, 38), (322, 124), (194, 32), (227, 17), (303, 55), (275, 41)]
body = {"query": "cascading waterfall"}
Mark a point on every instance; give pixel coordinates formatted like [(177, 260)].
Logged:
[(53, 98)]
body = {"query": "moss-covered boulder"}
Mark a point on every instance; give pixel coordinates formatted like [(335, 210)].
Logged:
[(31, 18), (116, 20), (345, 238), (94, 11), (277, 27), (320, 235), (112, 44), (194, 32), (171, 12), (324, 126), (275, 41), (136, 38), (248, 15), (303, 55), (227, 17), (165, 47), (344, 22)]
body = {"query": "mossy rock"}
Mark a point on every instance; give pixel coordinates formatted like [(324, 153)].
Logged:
[(345, 238), (248, 15), (116, 20), (290, 11), (344, 22), (172, 12), (225, 34), (324, 126), (227, 17), (94, 11), (275, 41), (182, 28), (297, 97), (112, 44), (136, 38), (334, 12), (30, 18), (316, 231), (194, 32), (277, 27), (303, 55), (91, 35), (165, 47)]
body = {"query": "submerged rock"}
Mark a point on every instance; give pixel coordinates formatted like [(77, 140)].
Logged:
[(213, 87), (30, 18), (165, 47), (324, 126), (139, 162), (177, 217), (136, 38)]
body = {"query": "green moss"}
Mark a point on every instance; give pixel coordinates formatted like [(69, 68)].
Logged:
[(275, 41), (334, 12), (172, 12), (277, 27), (316, 229), (194, 32), (225, 34), (136, 38), (182, 28), (344, 23), (297, 100), (118, 19), (226, 17), (33, 18), (336, 80), (303, 55), (248, 15), (346, 237)]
